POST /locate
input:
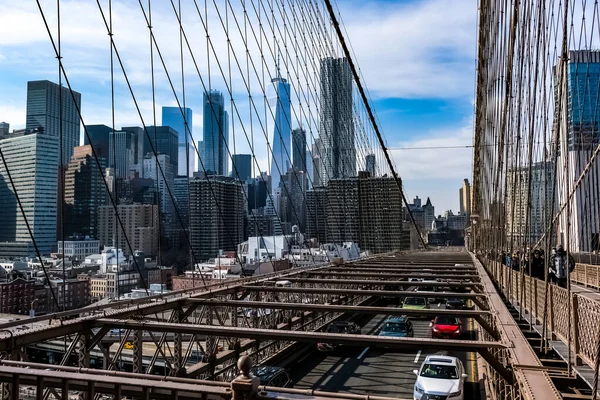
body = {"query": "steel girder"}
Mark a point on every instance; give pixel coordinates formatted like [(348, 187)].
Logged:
[(477, 315), (174, 388), (304, 321), (403, 270), (157, 303), (365, 292), (353, 274), (307, 337), (92, 384), (460, 284)]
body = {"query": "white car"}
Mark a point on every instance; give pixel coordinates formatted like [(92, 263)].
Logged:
[(440, 377)]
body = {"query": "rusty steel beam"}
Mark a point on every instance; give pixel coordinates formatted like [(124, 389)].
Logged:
[(156, 303), (364, 292), (408, 266), (391, 270), (533, 384), (477, 315), (21, 339), (353, 274), (131, 387), (460, 284), (265, 392), (339, 308), (201, 367), (427, 264), (307, 337)]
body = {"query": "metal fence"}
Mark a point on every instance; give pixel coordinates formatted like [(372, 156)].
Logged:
[(587, 275), (530, 294)]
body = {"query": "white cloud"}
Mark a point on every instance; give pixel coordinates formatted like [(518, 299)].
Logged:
[(430, 160), (11, 113), (434, 171), (414, 49)]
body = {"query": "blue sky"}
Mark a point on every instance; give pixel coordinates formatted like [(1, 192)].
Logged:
[(417, 59)]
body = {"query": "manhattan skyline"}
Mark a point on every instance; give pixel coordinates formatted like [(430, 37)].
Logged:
[(431, 99)]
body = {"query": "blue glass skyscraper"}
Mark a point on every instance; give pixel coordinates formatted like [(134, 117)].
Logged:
[(576, 117), (174, 117), (241, 166), (216, 134), (44, 110), (279, 101)]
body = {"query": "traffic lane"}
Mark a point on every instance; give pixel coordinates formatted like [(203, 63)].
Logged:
[(364, 370), (379, 373), (376, 371)]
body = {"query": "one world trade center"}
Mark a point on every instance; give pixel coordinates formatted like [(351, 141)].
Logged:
[(279, 102)]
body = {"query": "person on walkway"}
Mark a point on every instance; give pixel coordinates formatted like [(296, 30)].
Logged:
[(537, 265), (525, 262), (561, 267), (515, 260)]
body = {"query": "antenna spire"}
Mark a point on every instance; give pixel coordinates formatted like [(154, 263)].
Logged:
[(278, 64)]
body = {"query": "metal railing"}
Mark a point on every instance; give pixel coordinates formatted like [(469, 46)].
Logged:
[(530, 293), (586, 274)]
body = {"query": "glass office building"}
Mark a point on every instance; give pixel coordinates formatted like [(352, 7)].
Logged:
[(279, 102), (44, 110), (181, 120), (216, 134)]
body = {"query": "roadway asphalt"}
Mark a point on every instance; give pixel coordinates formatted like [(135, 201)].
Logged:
[(376, 372)]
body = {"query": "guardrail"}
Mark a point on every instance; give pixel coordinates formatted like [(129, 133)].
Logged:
[(530, 293), (586, 274)]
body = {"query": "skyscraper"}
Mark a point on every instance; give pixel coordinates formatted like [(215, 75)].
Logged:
[(99, 138), (84, 192), (166, 180), (166, 185), (216, 215), (164, 143), (180, 119), (121, 152), (181, 194), (243, 165), (32, 160), (576, 93), (294, 210), (140, 223), (336, 132), (364, 210), (279, 101), (139, 149), (428, 214), (44, 110), (316, 214), (4, 127), (299, 150), (464, 194), (257, 193), (527, 217), (216, 134), (317, 166), (370, 164)]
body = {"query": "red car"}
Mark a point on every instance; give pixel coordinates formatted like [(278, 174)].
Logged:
[(446, 328)]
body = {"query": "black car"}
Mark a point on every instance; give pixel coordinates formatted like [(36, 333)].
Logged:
[(338, 327), (456, 303), (272, 376)]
